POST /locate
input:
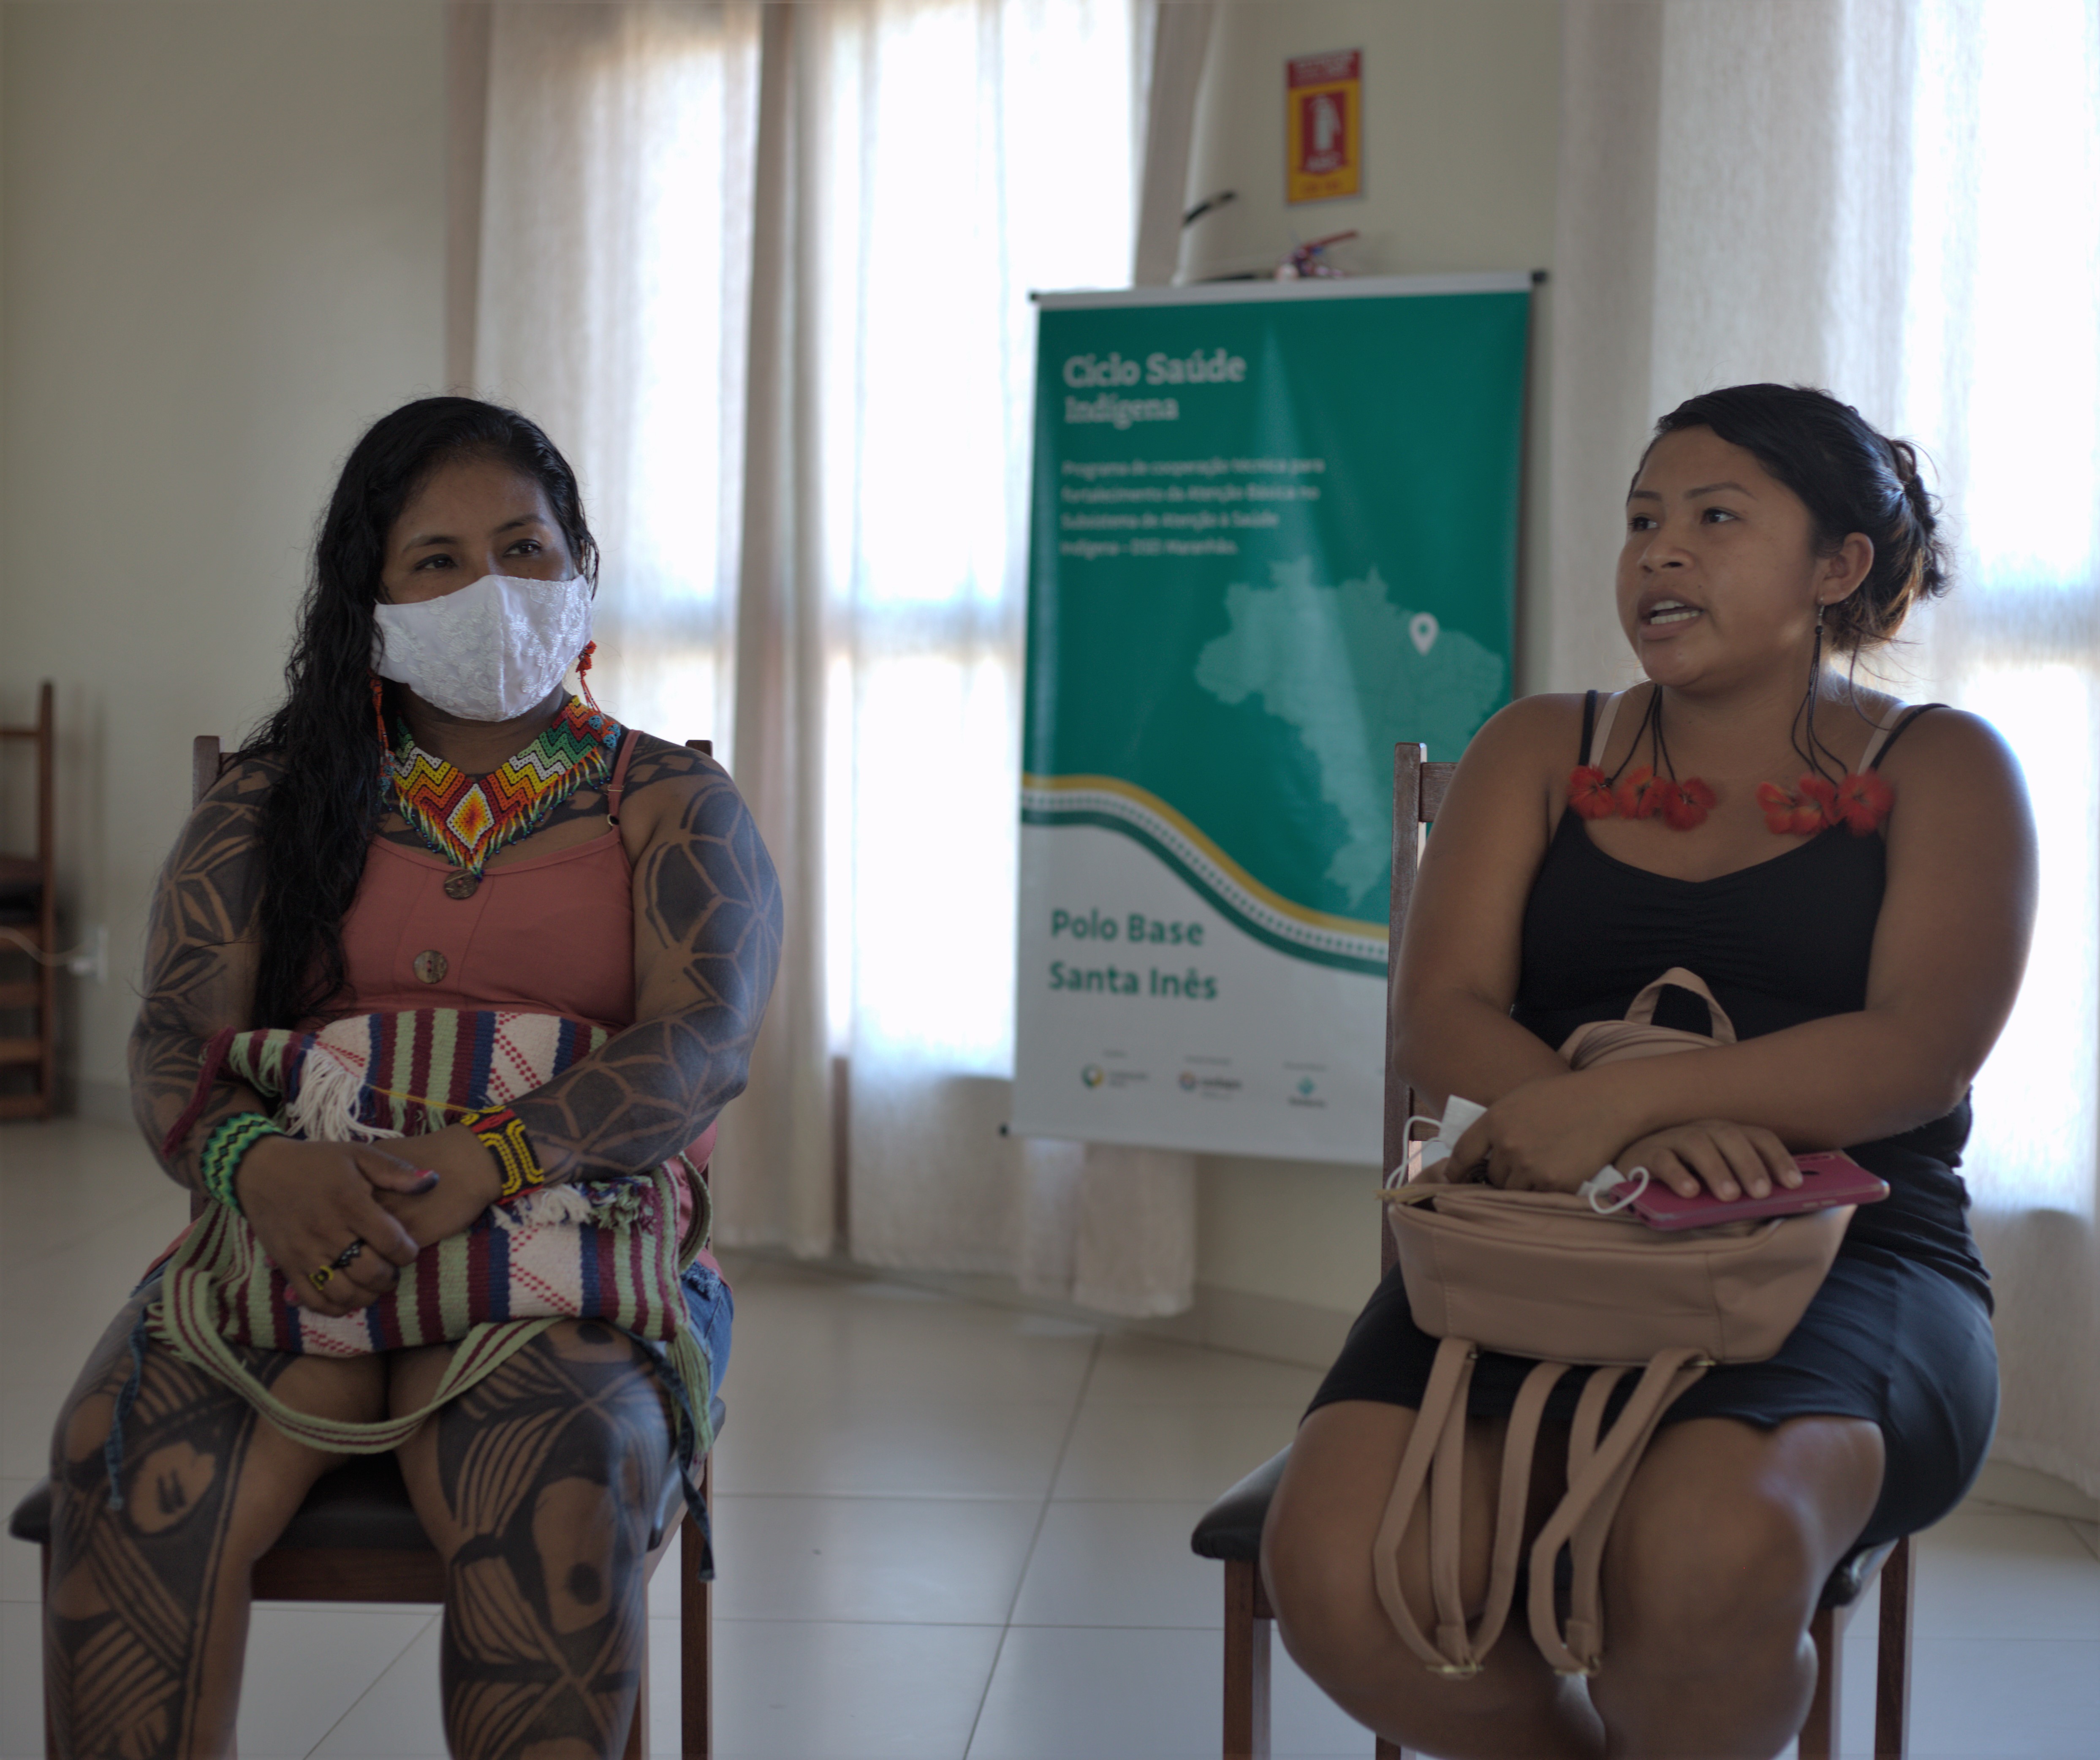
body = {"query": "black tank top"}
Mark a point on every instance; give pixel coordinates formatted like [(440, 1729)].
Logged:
[(1783, 941)]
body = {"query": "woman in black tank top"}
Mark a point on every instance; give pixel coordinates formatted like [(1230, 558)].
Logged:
[(1854, 881)]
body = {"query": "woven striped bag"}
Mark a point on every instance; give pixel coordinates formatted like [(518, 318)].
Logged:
[(604, 1249)]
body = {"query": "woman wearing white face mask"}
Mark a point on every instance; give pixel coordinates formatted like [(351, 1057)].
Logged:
[(434, 836)]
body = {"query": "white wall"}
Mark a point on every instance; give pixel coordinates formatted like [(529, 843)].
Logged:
[(1461, 136), (1462, 116), (223, 252)]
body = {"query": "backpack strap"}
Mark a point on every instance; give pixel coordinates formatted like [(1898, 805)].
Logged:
[(1434, 1462), (1443, 1409), (1598, 1472), (1585, 1621), (1722, 1029), (1520, 1443)]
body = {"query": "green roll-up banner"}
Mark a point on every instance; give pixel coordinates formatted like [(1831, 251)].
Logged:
[(1274, 532)]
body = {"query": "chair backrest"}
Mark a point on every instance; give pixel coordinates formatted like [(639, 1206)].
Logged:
[(1418, 787), (205, 766)]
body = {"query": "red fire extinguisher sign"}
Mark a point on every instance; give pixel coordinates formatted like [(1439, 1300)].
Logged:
[(1324, 126)]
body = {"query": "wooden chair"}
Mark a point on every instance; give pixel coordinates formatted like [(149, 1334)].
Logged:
[(28, 908), (1230, 1530), (357, 1537)]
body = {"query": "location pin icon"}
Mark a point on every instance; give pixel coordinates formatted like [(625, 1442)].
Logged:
[(1421, 631)]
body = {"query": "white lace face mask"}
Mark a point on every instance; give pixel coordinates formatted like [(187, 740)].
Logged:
[(489, 652)]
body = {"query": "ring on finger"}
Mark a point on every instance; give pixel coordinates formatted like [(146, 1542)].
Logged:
[(341, 1261), (319, 1278)]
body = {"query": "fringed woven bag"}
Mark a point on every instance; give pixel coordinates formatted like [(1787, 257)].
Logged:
[(608, 1249)]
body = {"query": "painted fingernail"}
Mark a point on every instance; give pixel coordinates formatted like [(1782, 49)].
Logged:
[(427, 1182)]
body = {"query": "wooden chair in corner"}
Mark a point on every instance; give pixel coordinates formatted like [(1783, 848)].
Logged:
[(357, 1537), (1230, 1531), (29, 909)]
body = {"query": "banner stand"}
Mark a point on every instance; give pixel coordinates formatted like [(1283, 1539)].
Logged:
[(1273, 532)]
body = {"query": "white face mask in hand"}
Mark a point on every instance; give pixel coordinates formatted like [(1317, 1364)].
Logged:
[(489, 652), (1458, 1116)]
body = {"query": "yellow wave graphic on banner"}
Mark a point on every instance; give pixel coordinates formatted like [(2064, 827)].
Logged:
[(1313, 927)]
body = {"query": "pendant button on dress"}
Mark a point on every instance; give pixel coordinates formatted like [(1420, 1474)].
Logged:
[(461, 883), (431, 967)]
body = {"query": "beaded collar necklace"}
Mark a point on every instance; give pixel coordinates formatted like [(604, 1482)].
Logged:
[(468, 819)]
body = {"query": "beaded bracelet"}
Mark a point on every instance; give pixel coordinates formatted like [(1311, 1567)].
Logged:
[(220, 1159), (502, 1134)]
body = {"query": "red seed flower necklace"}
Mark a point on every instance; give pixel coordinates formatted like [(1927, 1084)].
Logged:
[(1860, 800)]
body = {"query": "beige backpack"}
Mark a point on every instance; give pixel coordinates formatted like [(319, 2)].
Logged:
[(1549, 1275)]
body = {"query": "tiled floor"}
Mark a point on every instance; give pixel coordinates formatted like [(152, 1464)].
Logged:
[(944, 1530)]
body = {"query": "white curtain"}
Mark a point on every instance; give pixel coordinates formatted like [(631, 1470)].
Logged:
[(1899, 201), (611, 254), (764, 272), (612, 281)]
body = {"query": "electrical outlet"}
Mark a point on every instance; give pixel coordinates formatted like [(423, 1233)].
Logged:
[(93, 959)]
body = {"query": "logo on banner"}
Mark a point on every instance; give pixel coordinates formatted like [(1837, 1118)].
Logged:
[(1093, 1075), (1324, 125), (1307, 1094)]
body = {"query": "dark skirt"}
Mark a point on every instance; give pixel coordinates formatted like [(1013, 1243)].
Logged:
[(1900, 1337)]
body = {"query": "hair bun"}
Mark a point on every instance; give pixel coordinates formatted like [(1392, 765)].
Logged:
[(1904, 457)]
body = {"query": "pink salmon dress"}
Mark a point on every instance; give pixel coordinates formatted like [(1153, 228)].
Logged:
[(551, 933)]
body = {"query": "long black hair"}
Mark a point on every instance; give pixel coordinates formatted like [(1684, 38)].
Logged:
[(323, 741)]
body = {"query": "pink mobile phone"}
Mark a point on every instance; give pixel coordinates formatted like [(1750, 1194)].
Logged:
[(1830, 1179)]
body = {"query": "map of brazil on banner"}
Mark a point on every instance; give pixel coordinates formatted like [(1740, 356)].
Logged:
[(1274, 533)]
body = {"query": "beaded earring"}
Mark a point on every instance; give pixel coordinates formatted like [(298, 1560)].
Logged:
[(583, 674), (379, 722)]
